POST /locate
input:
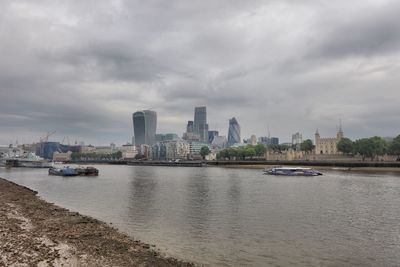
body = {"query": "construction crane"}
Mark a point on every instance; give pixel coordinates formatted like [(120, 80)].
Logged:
[(65, 137), (45, 138)]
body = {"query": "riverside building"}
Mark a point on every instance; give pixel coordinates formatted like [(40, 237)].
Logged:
[(297, 139), (169, 150), (195, 148), (144, 127)]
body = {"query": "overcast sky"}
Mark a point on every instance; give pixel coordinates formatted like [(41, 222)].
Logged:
[(81, 68)]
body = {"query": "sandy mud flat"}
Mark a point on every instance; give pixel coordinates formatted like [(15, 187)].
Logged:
[(34, 232)]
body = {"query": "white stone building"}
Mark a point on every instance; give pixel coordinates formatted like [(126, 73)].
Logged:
[(327, 146)]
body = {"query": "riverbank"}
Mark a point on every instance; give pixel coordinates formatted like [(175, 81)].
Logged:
[(34, 232), (322, 168)]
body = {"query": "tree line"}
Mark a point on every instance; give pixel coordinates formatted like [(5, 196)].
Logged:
[(243, 152), (371, 147)]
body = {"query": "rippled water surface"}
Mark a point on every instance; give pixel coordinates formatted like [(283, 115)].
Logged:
[(239, 217)]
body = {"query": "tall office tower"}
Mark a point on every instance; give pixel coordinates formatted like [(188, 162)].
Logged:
[(189, 127), (297, 139), (234, 132), (200, 125), (144, 127), (211, 135)]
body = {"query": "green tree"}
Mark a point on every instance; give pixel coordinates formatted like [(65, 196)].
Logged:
[(233, 153), (204, 151), (139, 156), (285, 147), (117, 155), (370, 147), (307, 146), (260, 150), (380, 146), (345, 145), (363, 147), (275, 148), (249, 151), (394, 148), (225, 154), (75, 155), (241, 152)]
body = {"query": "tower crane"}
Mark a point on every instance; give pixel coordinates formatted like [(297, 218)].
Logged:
[(45, 138)]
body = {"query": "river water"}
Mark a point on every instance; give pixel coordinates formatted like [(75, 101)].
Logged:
[(239, 217)]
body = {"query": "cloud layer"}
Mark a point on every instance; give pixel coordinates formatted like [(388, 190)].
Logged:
[(82, 68)]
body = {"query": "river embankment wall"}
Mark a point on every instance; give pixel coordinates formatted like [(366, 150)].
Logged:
[(347, 164), (322, 163)]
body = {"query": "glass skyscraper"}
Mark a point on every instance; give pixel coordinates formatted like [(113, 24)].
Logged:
[(189, 127), (234, 132), (211, 135), (200, 126), (144, 127)]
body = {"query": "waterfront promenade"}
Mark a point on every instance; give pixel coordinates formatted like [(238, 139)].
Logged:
[(37, 233)]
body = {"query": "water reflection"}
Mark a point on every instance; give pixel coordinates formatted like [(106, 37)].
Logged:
[(143, 190), (197, 206)]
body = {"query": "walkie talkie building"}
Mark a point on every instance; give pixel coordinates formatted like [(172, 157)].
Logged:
[(144, 127)]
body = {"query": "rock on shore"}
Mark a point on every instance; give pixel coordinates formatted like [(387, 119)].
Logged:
[(34, 232)]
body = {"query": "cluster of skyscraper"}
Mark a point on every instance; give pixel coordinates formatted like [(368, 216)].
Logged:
[(198, 128), (197, 131)]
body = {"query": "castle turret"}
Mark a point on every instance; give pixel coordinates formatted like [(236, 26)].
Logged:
[(317, 144), (339, 134)]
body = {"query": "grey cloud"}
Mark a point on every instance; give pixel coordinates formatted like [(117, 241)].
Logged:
[(359, 32), (82, 68)]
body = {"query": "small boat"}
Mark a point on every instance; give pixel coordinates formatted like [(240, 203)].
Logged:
[(70, 171), (88, 171), (66, 171), (292, 171), (31, 160)]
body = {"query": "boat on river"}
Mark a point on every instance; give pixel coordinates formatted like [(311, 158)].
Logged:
[(29, 160), (88, 171), (292, 171), (71, 171)]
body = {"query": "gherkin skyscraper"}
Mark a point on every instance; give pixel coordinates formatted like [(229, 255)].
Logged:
[(234, 132)]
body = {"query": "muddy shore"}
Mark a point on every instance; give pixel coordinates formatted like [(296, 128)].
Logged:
[(34, 232)]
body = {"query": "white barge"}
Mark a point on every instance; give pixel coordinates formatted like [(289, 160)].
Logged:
[(292, 171)]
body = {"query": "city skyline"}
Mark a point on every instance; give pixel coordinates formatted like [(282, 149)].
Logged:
[(83, 73), (202, 114)]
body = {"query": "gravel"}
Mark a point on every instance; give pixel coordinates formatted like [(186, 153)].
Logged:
[(34, 232)]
